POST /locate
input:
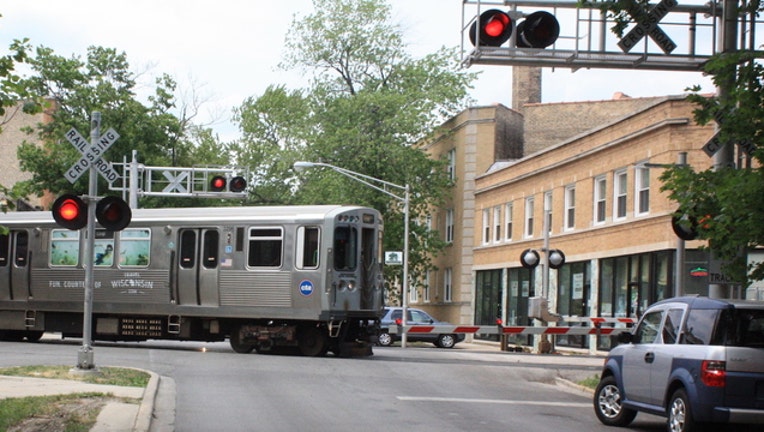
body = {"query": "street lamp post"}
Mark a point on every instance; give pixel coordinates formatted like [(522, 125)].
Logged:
[(369, 181)]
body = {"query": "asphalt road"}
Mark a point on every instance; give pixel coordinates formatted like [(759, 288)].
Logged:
[(209, 387)]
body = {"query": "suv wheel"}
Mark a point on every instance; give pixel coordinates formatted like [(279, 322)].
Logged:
[(446, 341), (384, 339), (680, 413), (607, 404)]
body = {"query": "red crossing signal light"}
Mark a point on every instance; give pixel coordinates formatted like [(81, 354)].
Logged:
[(113, 213), (70, 212), (538, 30), (218, 183), (495, 28)]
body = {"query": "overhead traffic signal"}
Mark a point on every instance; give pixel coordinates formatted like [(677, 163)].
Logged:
[(220, 183), (113, 213), (494, 27), (70, 212)]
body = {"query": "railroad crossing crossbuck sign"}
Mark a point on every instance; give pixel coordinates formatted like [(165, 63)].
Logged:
[(91, 155), (647, 25)]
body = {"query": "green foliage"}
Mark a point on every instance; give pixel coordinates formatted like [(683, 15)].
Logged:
[(367, 106)]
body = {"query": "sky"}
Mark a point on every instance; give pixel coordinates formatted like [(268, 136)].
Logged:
[(230, 49)]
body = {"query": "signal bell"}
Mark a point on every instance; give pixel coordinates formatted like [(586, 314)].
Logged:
[(70, 212), (538, 30)]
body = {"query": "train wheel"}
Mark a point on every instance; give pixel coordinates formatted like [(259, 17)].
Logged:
[(33, 336), (239, 346), (312, 341)]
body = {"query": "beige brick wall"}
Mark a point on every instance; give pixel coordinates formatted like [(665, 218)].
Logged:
[(13, 124), (656, 134)]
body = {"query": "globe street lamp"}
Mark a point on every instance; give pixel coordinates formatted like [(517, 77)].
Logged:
[(370, 182)]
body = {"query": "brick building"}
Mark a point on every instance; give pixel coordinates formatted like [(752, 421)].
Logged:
[(13, 124), (584, 162)]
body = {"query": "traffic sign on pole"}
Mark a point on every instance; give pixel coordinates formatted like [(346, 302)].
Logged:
[(91, 155)]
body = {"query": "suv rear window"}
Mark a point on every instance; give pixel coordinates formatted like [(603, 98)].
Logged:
[(747, 329), (700, 328)]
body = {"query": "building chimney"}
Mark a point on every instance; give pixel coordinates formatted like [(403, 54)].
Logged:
[(526, 86)]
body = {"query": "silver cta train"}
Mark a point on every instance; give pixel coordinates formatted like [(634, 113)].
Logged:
[(308, 277)]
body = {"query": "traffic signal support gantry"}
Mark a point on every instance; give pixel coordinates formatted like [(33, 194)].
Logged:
[(665, 36)]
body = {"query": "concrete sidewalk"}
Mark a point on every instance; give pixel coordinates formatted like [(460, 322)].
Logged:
[(114, 417)]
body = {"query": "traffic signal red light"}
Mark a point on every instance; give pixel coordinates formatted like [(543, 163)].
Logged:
[(538, 30), (69, 211), (495, 28), (218, 183), (113, 213)]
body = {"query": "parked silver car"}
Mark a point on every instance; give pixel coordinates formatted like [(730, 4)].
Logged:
[(694, 360), (392, 317)]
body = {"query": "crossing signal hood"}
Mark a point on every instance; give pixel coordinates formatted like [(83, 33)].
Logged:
[(70, 212), (220, 183), (494, 27)]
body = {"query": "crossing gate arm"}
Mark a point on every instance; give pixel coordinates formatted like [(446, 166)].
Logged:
[(508, 330)]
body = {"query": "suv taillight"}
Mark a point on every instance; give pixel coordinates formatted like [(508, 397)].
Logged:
[(713, 373)]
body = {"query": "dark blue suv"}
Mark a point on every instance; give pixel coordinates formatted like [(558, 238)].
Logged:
[(694, 360)]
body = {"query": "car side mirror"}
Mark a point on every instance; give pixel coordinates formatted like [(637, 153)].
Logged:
[(626, 337)]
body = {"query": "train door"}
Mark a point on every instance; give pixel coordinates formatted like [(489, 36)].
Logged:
[(198, 263), (369, 269), (14, 266)]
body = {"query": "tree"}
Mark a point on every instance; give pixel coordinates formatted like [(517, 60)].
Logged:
[(368, 107), (103, 82), (725, 201)]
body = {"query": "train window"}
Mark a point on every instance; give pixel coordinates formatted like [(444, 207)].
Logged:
[(64, 247), (307, 247), (345, 248), (134, 247), (103, 248), (188, 249), (22, 248), (265, 246), (211, 248), (4, 248)]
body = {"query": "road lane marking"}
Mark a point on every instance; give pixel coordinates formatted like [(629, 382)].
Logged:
[(493, 401)]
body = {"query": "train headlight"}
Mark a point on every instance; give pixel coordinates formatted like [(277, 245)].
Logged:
[(347, 285)]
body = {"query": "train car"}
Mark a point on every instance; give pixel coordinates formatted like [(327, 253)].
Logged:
[(303, 276)]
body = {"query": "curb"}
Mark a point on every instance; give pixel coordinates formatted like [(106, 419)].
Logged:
[(146, 410)]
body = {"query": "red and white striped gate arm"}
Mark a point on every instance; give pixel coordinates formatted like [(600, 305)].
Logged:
[(509, 330), (599, 320)]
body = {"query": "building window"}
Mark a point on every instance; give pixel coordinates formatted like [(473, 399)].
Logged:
[(600, 199), (570, 207), (452, 164), (642, 190), (548, 210), (619, 197), (497, 224), (529, 217), (486, 227), (508, 221), (450, 225), (413, 294), (447, 287)]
